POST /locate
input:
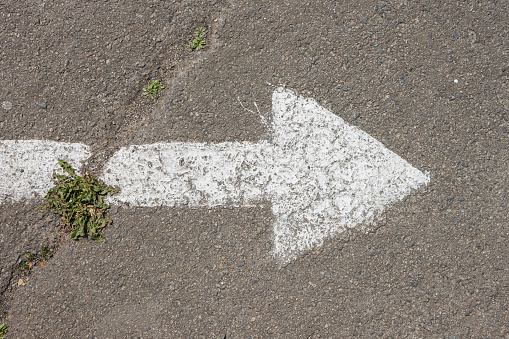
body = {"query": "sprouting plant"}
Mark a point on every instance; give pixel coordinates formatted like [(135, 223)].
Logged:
[(3, 331), (153, 88), (25, 266), (30, 256), (79, 201), (45, 253), (199, 39), (32, 259)]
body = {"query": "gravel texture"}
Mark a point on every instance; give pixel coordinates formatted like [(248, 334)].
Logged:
[(428, 80)]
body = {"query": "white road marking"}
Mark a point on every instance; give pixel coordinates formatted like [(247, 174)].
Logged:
[(320, 174), (190, 174), (26, 166)]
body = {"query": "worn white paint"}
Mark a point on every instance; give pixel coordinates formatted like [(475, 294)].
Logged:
[(26, 166), (320, 174)]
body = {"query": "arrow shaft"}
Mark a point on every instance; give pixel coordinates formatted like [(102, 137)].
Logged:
[(190, 174)]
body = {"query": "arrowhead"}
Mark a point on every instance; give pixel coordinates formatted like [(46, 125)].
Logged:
[(330, 176)]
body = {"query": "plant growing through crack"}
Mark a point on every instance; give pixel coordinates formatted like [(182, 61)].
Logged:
[(199, 39), (79, 201), (153, 88), (3, 331), (32, 259)]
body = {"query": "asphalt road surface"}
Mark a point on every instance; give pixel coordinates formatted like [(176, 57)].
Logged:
[(429, 80)]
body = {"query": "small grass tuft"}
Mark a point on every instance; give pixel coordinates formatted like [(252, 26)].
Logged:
[(199, 39), (153, 88), (3, 331), (32, 259), (45, 253), (79, 201)]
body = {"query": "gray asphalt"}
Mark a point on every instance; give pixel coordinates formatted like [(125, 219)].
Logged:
[(428, 80)]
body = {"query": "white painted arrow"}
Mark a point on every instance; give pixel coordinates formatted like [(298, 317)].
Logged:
[(320, 174)]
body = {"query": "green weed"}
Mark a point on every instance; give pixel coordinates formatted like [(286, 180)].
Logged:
[(30, 256), (45, 253), (24, 266), (199, 39), (153, 88), (3, 331), (32, 259), (79, 201)]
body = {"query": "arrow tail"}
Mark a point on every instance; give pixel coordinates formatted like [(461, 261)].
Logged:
[(26, 166)]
